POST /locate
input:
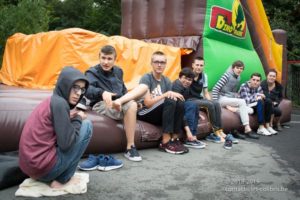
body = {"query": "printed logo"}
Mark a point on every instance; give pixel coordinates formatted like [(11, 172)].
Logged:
[(229, 22)]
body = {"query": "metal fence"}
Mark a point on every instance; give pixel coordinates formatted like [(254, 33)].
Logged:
[(293, 84)]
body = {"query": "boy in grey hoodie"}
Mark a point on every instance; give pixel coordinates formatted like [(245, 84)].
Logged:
[(56, 134)]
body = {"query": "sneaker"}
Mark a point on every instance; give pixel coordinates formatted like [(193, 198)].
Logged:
[(170, 147), (279, 128), (83, 104), (204, 143), (233, 139), (252, 135), (213, 138), (263, 131), (90, 164), (228, 142), (107, 163), (284, 126), (194, 144), (132, 154), (238, 135), (271, 130), (180, 146)]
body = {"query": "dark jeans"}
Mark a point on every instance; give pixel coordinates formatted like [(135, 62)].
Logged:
[(264, 110), (67, 162), (276, 111), (168, 114), (191, 115), (213, 109)]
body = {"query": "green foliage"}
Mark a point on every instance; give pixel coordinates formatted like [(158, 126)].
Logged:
[(33, 16), (103, 16), (285, 14), (28, 16)]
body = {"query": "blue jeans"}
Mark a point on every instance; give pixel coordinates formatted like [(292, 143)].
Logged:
[(191, 115), (66, 163)]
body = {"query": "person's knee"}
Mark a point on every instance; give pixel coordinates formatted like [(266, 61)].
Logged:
[(170, 102), (180, 105), (133, 106), (241, 103), (268, 101), (277, 112)]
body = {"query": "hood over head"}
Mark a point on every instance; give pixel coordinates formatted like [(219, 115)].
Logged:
[(68, 76)]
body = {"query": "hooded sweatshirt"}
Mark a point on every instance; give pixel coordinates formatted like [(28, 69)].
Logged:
[(49, 127)]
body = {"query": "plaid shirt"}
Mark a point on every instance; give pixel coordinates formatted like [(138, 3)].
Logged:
[(249, 94)]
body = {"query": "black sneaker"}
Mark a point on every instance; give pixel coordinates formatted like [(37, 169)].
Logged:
[(132, 154), (238, 135), (252, 135), (82, 105), (228, 143), (278, 128)]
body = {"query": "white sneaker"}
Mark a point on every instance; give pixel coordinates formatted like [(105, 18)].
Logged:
[(263, 131), (271, 130)]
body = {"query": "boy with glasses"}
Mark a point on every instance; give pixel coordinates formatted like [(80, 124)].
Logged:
[(160, 105), (56, 134)]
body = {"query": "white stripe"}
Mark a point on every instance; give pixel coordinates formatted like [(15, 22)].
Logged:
[(147, 110)]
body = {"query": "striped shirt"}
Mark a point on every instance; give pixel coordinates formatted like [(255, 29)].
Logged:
[(226, 86)]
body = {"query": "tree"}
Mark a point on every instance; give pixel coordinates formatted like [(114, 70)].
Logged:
[(285, 14), (102, 16), (28, 16)]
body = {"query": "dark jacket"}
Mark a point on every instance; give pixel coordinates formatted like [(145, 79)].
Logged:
[(178, 87), (276, 94), (49, 127), (101, 81)]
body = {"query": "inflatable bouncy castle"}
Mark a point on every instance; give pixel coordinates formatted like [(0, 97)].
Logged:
[(220, 30)]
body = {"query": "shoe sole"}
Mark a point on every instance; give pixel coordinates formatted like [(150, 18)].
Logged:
[(213, 141), (171, 152), (255, 138), (87, 169), (195, 147), (228, 148), (264, 134), (108, 168), (135, 159), (239, 137)]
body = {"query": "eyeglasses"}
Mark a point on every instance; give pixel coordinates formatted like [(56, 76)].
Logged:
[(157, 62), (77, 88)]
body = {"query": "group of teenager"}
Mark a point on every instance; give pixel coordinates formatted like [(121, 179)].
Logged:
[(57, 133)]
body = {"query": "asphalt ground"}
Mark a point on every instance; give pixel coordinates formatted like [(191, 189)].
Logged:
[(268, 168)]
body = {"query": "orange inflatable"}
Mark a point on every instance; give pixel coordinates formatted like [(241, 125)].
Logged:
[(34, 61)]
